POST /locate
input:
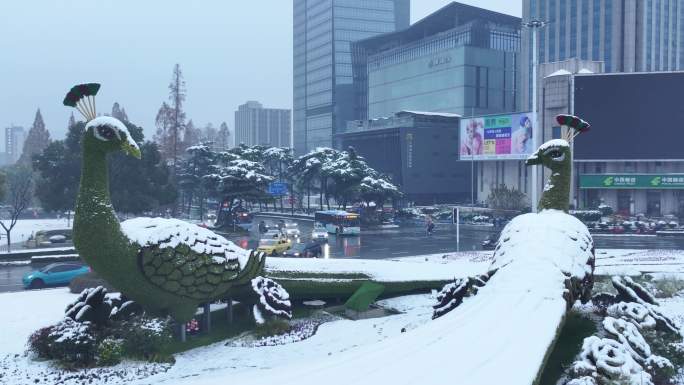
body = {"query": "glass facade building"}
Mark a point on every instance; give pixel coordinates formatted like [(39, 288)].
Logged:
[(460, 59), (322, 74), (626, 35)]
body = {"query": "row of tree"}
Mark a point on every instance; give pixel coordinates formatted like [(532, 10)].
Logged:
[(243, 175)]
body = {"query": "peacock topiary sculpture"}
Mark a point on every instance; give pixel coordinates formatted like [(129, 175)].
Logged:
[(167, 266)]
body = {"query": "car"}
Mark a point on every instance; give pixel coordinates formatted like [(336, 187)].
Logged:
[(304, 250), (274, 246), (319, 233), (491, 241), (53, 275), (273, 234), (291, 230)]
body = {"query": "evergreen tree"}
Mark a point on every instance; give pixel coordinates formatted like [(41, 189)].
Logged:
[(176, 113), (163, 136), (192, 136), (210, 135), (119, 112), (37, 140), (72, 121), (223, 139), (136, 185)]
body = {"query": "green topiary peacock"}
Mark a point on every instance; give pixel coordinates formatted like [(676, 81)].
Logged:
[(167, 266), (556, 156)]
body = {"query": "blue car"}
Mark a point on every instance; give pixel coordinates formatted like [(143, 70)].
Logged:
[(54, 274)]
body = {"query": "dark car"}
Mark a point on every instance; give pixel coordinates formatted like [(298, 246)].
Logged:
[(304, 250), (491, 241)]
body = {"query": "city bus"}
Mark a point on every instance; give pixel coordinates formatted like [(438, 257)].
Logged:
[(339, 222)]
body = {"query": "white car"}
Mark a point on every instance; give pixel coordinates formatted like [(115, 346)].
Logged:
[(319, 233), (291, 230)]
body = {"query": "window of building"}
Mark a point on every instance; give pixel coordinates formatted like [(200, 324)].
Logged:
[(596, 31), (556, 132), (598, 168), (630, 167), (653, 203), (552, 31), (573, 28), (608, 36), (584, 44), (561, 34)]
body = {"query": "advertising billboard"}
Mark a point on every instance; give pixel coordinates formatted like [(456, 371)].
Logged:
[(497, 137)]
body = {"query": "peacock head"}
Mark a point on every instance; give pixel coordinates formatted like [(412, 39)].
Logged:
[(554, 155), (104, 133), (109, 134)]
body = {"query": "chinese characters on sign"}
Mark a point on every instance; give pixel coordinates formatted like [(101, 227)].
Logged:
[(497, 137), (633, 181)]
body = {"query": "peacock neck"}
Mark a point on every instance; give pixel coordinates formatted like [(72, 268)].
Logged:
[(557, 190), (97, 233)]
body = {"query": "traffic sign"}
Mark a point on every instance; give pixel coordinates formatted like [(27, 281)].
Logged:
[(277, 188)]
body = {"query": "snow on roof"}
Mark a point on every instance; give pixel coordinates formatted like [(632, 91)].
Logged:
[(163, 233), (115, 123), (427, 113), (585, 71), (560, 72)]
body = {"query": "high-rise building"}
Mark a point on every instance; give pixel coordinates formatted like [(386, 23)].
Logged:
[(322, 83), (460, 59), (256, 125), (14, 142), (626, 35)]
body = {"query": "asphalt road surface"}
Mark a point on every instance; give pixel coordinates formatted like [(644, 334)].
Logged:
[(403, 241)]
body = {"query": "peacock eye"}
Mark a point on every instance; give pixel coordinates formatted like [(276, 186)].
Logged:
[(104, 132), (556, 155)]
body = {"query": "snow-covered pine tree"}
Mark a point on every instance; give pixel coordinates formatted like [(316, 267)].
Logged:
[(38, 138)]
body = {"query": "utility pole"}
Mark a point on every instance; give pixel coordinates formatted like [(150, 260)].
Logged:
[(534, 26)]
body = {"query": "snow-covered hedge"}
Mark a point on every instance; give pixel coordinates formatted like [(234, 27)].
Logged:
[(96, 306)]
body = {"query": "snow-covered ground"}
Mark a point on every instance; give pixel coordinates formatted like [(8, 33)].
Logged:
[(25, 227), (339, 344)]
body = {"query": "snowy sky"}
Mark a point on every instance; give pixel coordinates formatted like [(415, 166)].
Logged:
[(229, 50)]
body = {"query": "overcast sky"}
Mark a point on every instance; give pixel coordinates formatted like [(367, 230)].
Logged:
[(230, 51)]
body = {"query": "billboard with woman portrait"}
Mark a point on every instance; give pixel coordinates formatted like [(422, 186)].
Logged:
[(497, 137)]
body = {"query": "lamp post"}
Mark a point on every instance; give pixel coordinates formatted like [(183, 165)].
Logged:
[(534, 26)]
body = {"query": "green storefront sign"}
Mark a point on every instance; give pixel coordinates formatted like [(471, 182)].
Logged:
[(632, 181)]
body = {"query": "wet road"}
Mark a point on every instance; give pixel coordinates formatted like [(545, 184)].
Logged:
[(406, 240), (388, 242)]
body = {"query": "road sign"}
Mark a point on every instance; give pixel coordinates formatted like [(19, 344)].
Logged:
[(277, 188)]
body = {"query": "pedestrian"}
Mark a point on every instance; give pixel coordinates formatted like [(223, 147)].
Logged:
[(430, 226)]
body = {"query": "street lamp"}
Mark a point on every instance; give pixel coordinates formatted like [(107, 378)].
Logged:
[(534, 25)]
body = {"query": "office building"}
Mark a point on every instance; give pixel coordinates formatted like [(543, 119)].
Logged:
[(418, 150), (626, 35), (322, 74), (256, 125), (14, 142), (460, 59)]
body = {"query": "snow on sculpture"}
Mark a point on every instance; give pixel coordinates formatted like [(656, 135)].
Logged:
[(610, 359), (636, 313), (164, 265), (567, 245), (273, 300)]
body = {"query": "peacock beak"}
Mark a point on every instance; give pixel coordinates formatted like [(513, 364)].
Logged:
[(130, 149), (534, 159)]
